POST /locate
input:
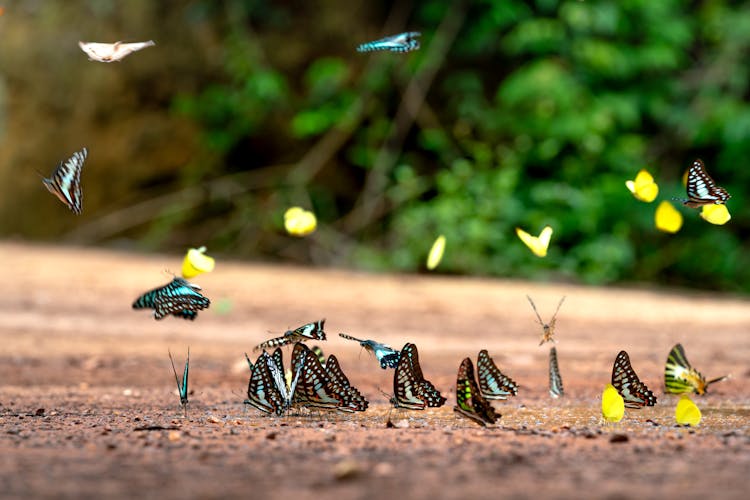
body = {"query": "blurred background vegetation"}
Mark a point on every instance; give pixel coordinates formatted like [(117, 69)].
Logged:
[(513, 113)]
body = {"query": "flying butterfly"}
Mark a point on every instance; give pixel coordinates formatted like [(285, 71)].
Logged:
[(403, 42), (309, 331), (633, 391), (65, 181), (493, 384), (110, 52), (182, 389), (179, 298), (386, 355), (701, 188), (410, 389), (548, 329), (351, 399), (555, 380), (469, 399), (314, 388), (680, 376)]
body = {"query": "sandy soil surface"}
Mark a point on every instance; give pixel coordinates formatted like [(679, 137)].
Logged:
[(88, 406)]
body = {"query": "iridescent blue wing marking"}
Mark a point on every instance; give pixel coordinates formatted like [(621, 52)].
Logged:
[(403, 42), (179, 298), (65, 181), (386, 355)]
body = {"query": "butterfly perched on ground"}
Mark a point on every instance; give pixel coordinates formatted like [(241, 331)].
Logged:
[(493, 384), (110, 52), (410, 389), (179, 298), (267, 389), (469, 399), (686, 412), (351, 399), (65, 181), (701, 188), (182, 388), (403, 42), (548, 329), (633, 391), (680, 376), (310, 331), (613, 406), (555, 380), (386, 355), (314, 389)]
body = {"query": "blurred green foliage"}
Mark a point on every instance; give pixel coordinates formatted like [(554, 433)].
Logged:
[(538, 113)]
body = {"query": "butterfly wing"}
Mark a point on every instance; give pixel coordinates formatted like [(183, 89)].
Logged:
[(677, 372), (261, 391), (352, 399), (65, 181), (470, 402), (555, 379), (313, 388), (633, 391), (701, 188), (310, 331), (403, 42), (493, 384), (179, 297), (405, 381)]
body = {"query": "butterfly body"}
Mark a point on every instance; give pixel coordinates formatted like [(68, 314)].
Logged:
[(182, 388), (469, 400), (555, 379), (386, 355), (493, 384), (65, 181), (403, 42), (701, 188), (309, 331), (410, 389), (634, 392), (179, 298), (681, 377)]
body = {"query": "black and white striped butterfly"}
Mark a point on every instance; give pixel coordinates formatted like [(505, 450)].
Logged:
[(493, 384), (403, 42), (267, 389), (555, 380), (182, 388), (179, 298), (633, 391), (65, 181), (351, 399), (310, 331), (410, 389), (314, 388), (701, 188), (469, 400), (386, 355)]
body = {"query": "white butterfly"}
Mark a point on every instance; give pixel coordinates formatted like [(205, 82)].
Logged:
[(109, 52)]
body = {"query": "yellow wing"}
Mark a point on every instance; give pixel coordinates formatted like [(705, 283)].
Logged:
[(613, 406)]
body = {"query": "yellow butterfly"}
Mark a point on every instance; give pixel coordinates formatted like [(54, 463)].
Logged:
[(715, 214), (537, 244), (436, 253), (643, 187), (299, 222), (613, 406), (686, 412), (667, 218), (196, 262)]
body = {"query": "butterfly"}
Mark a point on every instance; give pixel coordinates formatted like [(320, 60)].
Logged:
[(555, 380), (351, 399), (633, 391), (469, 399), (179, 298), (436, 253), (65, 181), (403, 42), (613, 406), (110, 52), (314, 388), (182, 388), (386, 355), (267, 390), (537, 244), (701, 188), (667, 218), (643, 187), (686, 412), (680, 377), (548, 329), (410, 389), (310, 331), (493, 384), (249, 363)]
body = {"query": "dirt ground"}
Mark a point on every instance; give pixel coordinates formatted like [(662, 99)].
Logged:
[(88, 407)]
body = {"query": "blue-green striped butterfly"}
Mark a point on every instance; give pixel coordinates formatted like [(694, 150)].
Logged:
[(386, 355), (403, 42), (492, 382), (470, 402), (182, 388), (635, 393), (314, 388), (179, 298), (65, 181)]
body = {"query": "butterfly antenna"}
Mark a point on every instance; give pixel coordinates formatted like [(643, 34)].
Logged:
[(539, 318), (554, 316), (176, 379)]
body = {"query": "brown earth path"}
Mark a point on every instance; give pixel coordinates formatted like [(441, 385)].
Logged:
[(85, 381)]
